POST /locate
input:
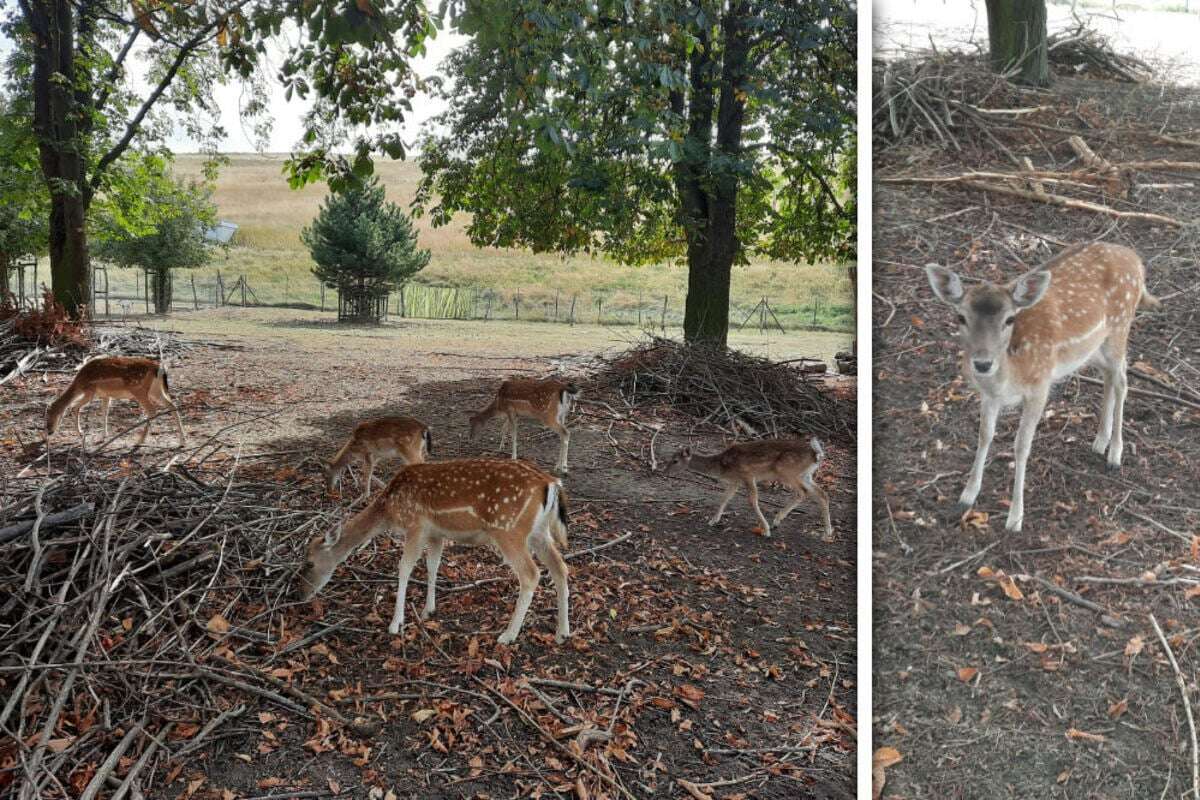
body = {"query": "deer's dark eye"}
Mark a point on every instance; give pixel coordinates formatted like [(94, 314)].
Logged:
[(1010, 320), (962, 320)]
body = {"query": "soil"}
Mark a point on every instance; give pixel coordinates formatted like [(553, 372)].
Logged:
[(988, 693), (744, 646)]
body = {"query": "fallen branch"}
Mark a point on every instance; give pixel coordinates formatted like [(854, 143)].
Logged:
[(1187, 706)]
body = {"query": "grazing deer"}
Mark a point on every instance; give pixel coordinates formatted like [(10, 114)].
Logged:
[(547, 401), (109, 378), (510, 505), (790, 461), (1021, 337), (376, 440)]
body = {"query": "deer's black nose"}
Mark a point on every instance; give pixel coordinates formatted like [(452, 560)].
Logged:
[(982, 367)]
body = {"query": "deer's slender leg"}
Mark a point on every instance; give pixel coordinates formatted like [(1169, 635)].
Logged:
[(503, 432), (83, 401), (512, 420), (148, 408), (368, 485), (527, 576), (989, 410), (166, 398), (548, 554), (564, 442), (752, 490), (1031, 415), (1117, 444), (730, 491), (106, 405), (1104, 433), (433, 560), (413, 544)]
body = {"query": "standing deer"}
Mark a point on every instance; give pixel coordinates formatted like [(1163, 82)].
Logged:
[(509, 505), (109, 378), (547, 401), (790, 461), (1021, 337), (378, 439)]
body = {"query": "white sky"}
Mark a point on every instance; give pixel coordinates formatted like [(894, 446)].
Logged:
[(1166, 39)]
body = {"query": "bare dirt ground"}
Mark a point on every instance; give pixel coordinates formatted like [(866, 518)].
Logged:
[(1058, 687), (718, 663)]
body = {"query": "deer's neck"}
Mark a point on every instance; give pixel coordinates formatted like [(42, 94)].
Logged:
[(705, 465)]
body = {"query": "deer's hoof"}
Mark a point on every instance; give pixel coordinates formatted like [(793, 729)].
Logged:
[(506, 638)]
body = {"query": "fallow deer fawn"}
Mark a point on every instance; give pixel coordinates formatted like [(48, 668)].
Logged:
[(790, 461), (378, 439), (509, 505), (109, 378), (547, 401), (1021, 337)]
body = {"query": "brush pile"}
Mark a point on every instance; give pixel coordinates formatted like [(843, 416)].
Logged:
[(1083, 51), (115, 654), (745, 394), (954, 98)]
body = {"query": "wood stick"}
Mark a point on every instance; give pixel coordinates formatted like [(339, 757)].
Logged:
[(1187, 707)]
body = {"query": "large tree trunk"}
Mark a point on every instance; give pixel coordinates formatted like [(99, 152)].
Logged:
[(706, 311), (1017, 38), (162, 291), (56, 121), (70, 268)]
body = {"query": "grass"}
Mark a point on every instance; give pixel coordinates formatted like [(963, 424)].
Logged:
[(251, 192)]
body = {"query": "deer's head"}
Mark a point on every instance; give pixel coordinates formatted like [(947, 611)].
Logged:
[(987, 313)]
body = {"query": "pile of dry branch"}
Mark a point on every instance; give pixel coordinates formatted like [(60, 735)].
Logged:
[(114, 654), (1084, 51), (739, 392)]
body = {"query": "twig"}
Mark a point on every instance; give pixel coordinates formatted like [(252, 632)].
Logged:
[(1187, 706)]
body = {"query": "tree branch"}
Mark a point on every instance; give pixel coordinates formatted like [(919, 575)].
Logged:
[(115, 72)]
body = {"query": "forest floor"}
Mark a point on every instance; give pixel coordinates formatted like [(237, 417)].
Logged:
[(1026, 664), (711, 662)]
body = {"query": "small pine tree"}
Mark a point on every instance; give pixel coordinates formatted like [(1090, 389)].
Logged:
[(364, 247)]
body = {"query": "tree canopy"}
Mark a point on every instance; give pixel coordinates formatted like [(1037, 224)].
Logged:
[(711, 131), (107, 77)]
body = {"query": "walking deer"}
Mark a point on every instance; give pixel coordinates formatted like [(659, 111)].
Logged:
[(790, 461), (547, 401), (109, 378), (1019, 338), (378, 439), (510, 505)]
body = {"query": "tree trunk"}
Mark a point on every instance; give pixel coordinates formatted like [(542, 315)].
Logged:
[(5, 290), (70, 269), (706, 309), (161, 290), (1017, 39), (56, 120)]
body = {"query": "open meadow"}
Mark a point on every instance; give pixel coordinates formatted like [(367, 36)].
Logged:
[(251, 191)]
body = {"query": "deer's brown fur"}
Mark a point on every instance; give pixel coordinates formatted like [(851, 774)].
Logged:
[(547, 401), (510, 505), (792, 462), (1019, 338), (109, 378), (376, 440)]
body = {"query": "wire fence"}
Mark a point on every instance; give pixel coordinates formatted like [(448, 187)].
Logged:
[(124, 292)]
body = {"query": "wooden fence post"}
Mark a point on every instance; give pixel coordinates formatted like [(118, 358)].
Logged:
[(556, 292), (599, 306), (195, 302), (571, 314), (517, 303), (663, 322)]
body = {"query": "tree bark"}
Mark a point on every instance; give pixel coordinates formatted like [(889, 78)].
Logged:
[(1017, 39), (161, 290), (56, 124)]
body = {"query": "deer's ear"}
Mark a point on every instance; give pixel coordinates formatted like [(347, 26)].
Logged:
[(1030, 288), (332, 535), (945, 283)]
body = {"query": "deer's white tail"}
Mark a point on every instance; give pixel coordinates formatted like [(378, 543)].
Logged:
[(553, 514), (818, 450)]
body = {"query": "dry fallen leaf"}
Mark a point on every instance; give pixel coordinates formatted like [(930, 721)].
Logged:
[(883, 758), (965, 674), (1115, 710), (1077, 735), (217, 624), (1134, 646)]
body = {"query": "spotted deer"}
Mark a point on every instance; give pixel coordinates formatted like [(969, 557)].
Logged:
[(376, 440), (792, 462), (1020, 337), (510, 505), (548, 401), (109, 378)]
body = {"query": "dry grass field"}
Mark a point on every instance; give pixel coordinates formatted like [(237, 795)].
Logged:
[(251, 191)]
